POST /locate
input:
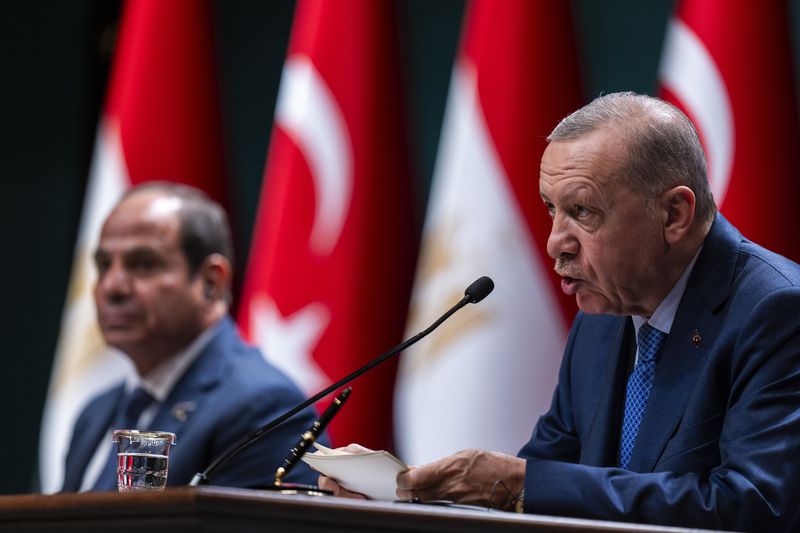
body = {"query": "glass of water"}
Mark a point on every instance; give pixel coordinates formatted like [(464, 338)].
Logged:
[(142, 459)]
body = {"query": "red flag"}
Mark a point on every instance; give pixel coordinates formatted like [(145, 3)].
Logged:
[(333, 250), (163, 95), (491, 370), (728, 66), (161, 122)]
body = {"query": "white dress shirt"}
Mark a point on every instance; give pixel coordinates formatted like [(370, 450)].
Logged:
[(158, 383), (664, 315)]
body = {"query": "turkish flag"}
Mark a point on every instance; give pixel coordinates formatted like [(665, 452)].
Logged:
[(334, 245), (161, 121), (489, 373), (728, 65)]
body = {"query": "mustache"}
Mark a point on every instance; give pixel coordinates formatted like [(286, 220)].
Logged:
[(113, 306), (567, 268)]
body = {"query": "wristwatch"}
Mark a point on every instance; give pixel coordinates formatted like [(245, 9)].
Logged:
[(519, 502)]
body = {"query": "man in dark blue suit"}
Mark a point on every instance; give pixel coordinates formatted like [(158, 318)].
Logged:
[(162, 297), (678, 399)]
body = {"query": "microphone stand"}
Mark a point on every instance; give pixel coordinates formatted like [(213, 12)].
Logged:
[(478, 290)]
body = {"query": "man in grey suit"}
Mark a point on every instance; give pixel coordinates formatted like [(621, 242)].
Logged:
[(164, 265)]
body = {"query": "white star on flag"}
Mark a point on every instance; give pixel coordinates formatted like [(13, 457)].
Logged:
[(289, 342)]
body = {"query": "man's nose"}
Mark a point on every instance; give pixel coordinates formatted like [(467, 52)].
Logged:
[(562, 239), (114, 282)]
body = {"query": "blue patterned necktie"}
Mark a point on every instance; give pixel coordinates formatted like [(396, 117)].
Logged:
[(639, 384), (131, 409)]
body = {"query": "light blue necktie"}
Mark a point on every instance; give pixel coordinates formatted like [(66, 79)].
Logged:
[(131, 409), (639, 384)]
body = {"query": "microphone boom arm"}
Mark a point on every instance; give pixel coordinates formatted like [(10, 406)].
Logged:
[(470, 296)]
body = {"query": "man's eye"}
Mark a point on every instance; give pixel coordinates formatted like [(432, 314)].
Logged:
[(143, 265), (550, 208), (581, 211)]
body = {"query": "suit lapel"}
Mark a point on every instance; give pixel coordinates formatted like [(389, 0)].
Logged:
[(191, 390), (600, 446), (693, 334), (678, 368), (88, 438)]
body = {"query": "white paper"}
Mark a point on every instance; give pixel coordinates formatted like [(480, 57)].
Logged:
[(371, 473)]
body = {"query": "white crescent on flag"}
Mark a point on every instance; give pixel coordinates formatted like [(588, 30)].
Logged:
[(307, 111), (690, 73), (309, 115), (332, 254)]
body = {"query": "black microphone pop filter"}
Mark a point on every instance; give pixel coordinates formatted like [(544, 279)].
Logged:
[(479, 289)]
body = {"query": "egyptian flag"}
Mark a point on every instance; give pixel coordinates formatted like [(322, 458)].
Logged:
[(490, 372), (161, 121)]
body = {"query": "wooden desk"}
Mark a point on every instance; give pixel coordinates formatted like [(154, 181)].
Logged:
[(219, 509)]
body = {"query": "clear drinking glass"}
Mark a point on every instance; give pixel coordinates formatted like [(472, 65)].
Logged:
[(142, 459)]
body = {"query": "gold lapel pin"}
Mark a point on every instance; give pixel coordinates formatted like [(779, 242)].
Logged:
[(181, 410), (696, 339)]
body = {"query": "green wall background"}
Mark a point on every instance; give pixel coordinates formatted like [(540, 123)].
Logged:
[(55, 62)]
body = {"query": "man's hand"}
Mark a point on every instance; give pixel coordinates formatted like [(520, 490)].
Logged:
[(330, 484), (327, 483), (475, 477)]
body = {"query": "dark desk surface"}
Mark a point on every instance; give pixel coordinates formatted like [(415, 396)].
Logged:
[(217, 509)]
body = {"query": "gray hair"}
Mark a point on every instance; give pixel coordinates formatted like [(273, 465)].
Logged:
[(664, 150)]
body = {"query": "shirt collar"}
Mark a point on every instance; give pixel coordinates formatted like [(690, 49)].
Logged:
[(664, 315), (162, 378)]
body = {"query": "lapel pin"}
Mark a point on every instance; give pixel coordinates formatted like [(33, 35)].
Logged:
[(181, 410), (696, 339)]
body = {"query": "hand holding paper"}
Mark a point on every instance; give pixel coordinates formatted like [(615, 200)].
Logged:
[(358, 469), (472, 477)]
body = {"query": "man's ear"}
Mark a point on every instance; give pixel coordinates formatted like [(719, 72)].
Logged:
[(215, 274), (678, 206)]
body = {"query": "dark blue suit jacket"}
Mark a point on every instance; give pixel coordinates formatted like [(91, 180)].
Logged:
[(719, 444), (227, 392)]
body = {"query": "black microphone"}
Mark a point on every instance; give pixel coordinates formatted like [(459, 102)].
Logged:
[(476, 292), (479, 289)]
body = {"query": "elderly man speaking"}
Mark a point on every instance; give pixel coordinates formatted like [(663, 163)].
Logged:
[(678, 399)]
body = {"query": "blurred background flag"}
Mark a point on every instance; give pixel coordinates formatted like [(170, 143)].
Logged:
[(488, 374), (333, 250), (161, 121), (728, 65)]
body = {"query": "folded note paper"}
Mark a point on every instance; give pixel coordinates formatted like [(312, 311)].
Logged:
[(371, 473)]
